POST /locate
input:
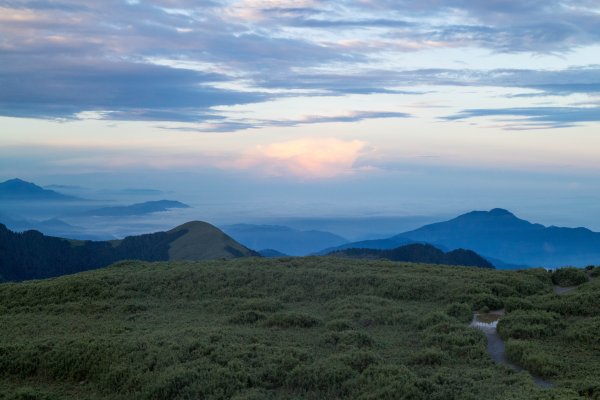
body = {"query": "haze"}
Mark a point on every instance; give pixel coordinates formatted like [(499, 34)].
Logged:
[(258, 110)]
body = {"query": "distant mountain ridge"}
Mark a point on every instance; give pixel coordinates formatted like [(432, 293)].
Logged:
[(20, 190), (377, 244), (147, 207), (270, 253), (282, 238), (418, 253), (32, 255), (499, 234)]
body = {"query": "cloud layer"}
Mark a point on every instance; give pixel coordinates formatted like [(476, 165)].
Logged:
[(180, 60)]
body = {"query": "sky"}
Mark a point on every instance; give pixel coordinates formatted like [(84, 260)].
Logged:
[(310, 108)]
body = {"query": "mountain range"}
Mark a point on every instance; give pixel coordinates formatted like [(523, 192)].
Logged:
[(502, 238), (20, 190), (418, 253), (283, 239), (32, 255)]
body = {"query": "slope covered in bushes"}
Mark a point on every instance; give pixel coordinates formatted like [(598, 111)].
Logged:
[(305, 328)]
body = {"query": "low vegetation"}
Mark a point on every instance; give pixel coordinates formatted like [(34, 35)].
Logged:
[(310, 328), (569, 277), (557, 337)]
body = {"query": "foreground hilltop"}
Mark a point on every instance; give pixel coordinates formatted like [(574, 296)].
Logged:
[(295, 328), (32, 255)]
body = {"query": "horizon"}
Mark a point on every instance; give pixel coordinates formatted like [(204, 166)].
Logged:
[(225, 215), (266, 109)]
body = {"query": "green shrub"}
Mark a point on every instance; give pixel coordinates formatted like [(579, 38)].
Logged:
[(339, 325), (460, 311), (247, 317), (292, 320), (434, 318), (502, 290), (414, 289), (588, 388), (541, 274), (569, 277), (580, 303), (532, 359), (595, 272), (517, 303), (529, 324), (394, 382), (486, 302), (327, 376), (429, 356), (586, 331), (173, 384), (27, 393), (264, 305), (456, 339), (358, 360), (349, 339)]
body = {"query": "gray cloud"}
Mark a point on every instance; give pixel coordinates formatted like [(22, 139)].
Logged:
[(61, 88), (239, 125), (59, 58), (534, 117)]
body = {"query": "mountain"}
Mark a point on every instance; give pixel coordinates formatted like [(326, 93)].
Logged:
[(148, 207), (270, 253), (32, 255), (418, 253), (283, 239), (19, 190), (388, 243), (499, 234)]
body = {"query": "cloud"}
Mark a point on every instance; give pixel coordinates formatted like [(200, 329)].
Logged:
[(311, 158), (58, 60), (228, 125), (534, 117), (61, 58), (561, 82), (121, 90)]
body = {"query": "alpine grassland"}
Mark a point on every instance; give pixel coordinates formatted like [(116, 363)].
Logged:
[(294, 328)]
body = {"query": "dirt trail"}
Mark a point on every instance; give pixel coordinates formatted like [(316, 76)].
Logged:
[(495, 345), (560, 290), (487, 323)]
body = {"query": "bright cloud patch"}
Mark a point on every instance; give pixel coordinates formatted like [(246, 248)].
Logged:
[(305, 158)]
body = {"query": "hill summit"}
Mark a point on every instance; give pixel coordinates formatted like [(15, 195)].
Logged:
[(32, 255)]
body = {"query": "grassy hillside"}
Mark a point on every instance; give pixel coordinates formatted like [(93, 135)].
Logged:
[(312, 328), (32, 255), (214, 243)]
